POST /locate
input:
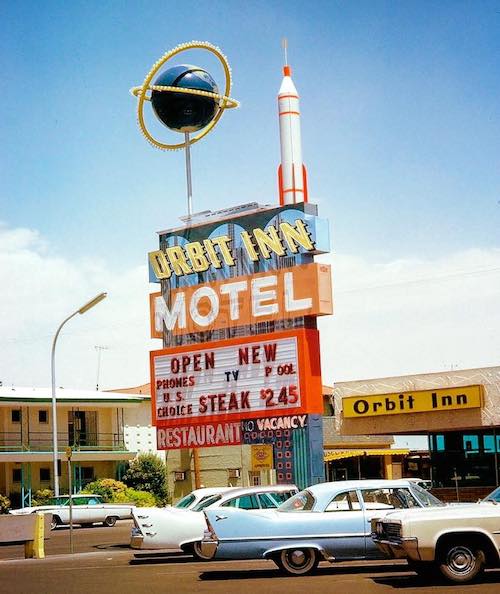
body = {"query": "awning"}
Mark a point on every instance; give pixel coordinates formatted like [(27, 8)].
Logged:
[(330, 455), (339, 454)]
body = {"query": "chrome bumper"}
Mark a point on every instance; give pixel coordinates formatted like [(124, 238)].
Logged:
[(136, 538), (209, 548), (405, 548)]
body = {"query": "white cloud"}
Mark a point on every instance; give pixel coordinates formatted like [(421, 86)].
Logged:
[(40, 289), (412, 316), (391, 318)]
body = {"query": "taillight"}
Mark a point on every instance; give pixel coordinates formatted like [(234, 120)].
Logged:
[(210, 531)]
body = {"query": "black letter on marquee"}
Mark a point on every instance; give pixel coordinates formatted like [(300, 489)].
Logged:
[(357, 407)]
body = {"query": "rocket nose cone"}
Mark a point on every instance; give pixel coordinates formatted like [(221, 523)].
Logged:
[(287, 86)]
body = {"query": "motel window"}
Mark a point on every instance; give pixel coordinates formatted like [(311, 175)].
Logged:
[(16, 475), (471, 443), (15, 415), (466, 460), (254, 478), (43, 416), (87, 473), (489, 444), (44, 475)]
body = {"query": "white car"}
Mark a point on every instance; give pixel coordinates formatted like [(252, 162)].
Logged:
[(198, 495), (455, 542), (182, 529), (87, 510)]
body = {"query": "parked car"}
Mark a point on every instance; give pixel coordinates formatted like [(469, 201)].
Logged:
[(424, 483), (328, 521), (455, 542), (182, 529), (87, 510), (198, 495), (493, 496)]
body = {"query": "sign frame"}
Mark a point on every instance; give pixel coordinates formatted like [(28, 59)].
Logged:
[(309, 371)]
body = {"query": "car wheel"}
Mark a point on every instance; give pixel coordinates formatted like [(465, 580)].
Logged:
[(461, 562), (110, 521), (298, 561), (56, 520), (195, 550)]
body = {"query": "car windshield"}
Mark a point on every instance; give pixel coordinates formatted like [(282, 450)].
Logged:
[(206, 502), (425, 498), (303, 501), (185, 501), (493, 496), (64, 500)]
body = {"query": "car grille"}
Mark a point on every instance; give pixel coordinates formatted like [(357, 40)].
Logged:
[(391, 531)]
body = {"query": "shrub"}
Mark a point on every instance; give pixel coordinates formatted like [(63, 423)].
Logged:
[(42, 496), (107, 488), (117, 492), (148, 472), (4, 504), (138, 498)]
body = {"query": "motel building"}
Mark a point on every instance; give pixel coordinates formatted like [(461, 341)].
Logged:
[(104, 429)]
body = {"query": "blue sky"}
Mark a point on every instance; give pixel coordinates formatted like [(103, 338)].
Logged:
[(400, 125)]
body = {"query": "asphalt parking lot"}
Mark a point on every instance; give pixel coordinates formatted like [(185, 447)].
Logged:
[(103, 562)]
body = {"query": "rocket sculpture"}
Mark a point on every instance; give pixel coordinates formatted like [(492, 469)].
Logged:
[(292, 176)]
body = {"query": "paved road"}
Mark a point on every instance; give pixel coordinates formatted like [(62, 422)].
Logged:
[(113, 567)]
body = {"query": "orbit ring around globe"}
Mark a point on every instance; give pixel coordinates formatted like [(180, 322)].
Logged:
[(141, 92)]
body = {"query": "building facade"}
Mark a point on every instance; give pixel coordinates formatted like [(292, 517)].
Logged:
[(457, 411), (104, 430)]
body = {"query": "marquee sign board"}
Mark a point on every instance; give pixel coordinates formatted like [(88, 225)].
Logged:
[(440, 399), (198, 436), (267, 296), (246, 243), (243, 378)]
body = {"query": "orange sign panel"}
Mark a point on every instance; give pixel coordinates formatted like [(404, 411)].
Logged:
[(267, 296), (271, 374)]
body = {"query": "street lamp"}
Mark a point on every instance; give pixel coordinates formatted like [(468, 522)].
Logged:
[(82, 310)]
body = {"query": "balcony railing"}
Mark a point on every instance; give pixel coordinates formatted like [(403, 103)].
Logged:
[(41, 441)]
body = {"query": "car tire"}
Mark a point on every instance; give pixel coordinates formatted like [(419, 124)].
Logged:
[(298, 561), (110, 521), (55, 522), (461, 562), (195, 550)]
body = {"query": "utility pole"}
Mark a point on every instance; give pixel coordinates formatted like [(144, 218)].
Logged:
[(99, 350)]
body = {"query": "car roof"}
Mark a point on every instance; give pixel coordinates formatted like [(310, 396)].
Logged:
[(357, 484), (260, 489), (203, 491)]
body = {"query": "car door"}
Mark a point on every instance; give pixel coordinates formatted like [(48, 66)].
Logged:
[(95, 510), (80, 510), (342, 530)]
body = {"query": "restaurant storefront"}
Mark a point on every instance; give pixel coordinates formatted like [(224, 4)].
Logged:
[(458, 412)]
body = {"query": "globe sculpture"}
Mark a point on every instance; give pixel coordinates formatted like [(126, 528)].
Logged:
[(184, 98), (181, 112)]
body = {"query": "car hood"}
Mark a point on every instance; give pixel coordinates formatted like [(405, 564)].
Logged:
[(448, 511), (32, 510)]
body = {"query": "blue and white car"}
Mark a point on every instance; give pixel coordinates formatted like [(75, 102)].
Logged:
[(328, 521), (181, 528)]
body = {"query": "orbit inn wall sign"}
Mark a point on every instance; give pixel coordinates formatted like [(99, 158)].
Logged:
[(239, 293)]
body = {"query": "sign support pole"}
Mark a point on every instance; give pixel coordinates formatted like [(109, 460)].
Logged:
[(188, 175)]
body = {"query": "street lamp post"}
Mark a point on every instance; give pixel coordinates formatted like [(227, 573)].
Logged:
[(82, 310)]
